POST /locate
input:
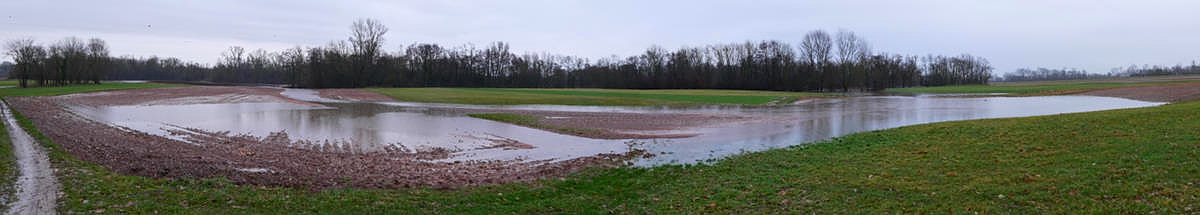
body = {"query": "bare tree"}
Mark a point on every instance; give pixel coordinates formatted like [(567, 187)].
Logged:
[(67, 58), (815, 49), (851, 49), (29, 57), (98, 60), (366, 37)]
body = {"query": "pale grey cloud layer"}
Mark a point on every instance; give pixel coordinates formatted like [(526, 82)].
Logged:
[(1088, 34)]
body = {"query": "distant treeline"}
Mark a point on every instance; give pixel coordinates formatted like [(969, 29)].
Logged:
[(820, 62), (5, 67), (1147, 70), (1044, 74)]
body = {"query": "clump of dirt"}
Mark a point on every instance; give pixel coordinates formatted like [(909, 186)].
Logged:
[(269, 161), (354, 95), (1159, 93)]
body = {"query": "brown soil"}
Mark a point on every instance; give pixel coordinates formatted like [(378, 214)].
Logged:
[(354, 95), (269, 161), (588, 124), (179, 95), (603, 125), (1160, 93)]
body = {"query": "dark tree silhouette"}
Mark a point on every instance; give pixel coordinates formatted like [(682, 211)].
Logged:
[(360, 61)]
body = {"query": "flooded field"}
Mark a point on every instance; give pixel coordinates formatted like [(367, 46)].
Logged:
[(375, 126)]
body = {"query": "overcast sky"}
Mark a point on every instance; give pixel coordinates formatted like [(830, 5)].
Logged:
[(1088, 34)]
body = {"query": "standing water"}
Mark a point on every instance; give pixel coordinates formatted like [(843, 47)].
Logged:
[(367, 126)]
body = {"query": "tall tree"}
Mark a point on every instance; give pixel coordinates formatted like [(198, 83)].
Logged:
[(815, 48), (30, 59), (98, 60), (366, 38), (851, 49)]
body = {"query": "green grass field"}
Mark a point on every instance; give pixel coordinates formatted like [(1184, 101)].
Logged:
[(1042, 88), (8, 83), (596, 97), (1123, 161)]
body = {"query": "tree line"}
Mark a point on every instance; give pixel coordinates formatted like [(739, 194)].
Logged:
[(1157, 70), (5, 67), (68, 61), (1044, 74), (821, 61)]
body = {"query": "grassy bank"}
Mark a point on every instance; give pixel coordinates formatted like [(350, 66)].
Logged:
[(1042, 88), (597, 97), (531, 121), (1124, 161)]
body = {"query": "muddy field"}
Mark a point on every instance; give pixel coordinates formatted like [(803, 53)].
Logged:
[(1163, 93), (273, 160), (278, 160), (605, 124), (177, 95)]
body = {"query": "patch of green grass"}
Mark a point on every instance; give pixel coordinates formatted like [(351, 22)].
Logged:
[(81, 88), (531, 121), (1133, 161), (8, 83), (1032, 89), (595, 97), (8, 169)]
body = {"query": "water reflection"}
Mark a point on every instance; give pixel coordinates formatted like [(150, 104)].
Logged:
[(373, 126)]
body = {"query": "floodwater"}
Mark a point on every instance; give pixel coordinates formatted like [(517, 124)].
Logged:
[(373, 126)]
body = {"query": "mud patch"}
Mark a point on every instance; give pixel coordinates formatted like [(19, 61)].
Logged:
[(357, 95), (1161, 93), (178, 96), (608, 125), (269, 161)]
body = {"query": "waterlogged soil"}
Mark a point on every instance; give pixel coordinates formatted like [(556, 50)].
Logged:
[(331, 138), (590, 124), (1161, 93), (354, 95), (179, 96), (609, 125), (276, 159)]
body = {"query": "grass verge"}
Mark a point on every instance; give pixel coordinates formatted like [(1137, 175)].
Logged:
[(532, 121), (1034, 89), (594, 97), (1123, 161), (8, 169)]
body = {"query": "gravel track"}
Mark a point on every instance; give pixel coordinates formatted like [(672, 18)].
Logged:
[(37, 188)]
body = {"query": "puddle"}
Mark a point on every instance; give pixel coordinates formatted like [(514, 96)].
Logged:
[(365, 126)]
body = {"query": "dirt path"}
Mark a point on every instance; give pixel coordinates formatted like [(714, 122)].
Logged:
[(37, 188)]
